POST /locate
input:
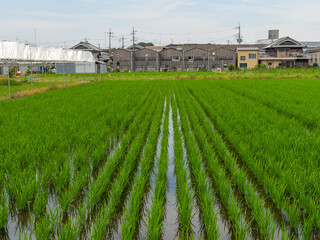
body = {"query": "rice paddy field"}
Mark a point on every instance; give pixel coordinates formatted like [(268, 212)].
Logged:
[(188, 157)]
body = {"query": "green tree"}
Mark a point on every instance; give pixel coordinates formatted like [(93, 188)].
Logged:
[(145, 44), (231, 67)]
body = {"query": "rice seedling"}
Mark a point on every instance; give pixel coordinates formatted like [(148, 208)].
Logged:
[(105, 216), (4, 211), (203, 192), (86, 154), (218, 175), (101, 184), (132, 213), (157, 211), (184, 193)]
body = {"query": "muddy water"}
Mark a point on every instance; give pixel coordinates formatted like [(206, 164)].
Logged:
[(171, 217), (143, 224)]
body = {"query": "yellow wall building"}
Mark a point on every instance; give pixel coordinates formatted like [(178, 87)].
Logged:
[(247, 58)]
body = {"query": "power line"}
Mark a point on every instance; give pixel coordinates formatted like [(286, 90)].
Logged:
[(188, 33)]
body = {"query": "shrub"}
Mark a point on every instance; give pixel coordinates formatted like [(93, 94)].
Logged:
[(231, 67), (12, 71), (202, 69), (261, 66)]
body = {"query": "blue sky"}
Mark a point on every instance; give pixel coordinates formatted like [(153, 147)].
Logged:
[(60, 23)]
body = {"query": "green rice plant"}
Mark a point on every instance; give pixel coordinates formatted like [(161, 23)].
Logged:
[(262, 217), (157, 210), (307, 228), (293, 214), (45, 228), (104, 178), (40, 203), (4, 211), (105, 216), (131, 215), (224, 187), (287, 178), (184, 191)]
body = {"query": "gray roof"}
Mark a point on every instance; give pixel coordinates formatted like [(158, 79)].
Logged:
[(136, 47), (312, 50), (280, 43), (248, 49), (86, 46)]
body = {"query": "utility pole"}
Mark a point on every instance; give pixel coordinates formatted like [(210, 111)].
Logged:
[(239, 39), (105, 40), (110, 36), (133, 39), (122, 39)]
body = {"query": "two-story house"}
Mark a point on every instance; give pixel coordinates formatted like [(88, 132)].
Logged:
[(285, 53)]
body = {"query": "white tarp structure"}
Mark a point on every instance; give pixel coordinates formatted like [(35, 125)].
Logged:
[(15, 52)]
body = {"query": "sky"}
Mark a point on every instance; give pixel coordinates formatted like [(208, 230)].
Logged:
[(63, 23)]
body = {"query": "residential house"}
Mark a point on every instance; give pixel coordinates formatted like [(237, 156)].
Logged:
[(314, 56), (122, 60), (146, 60), (195, 58), (285, 53), (171, 60), (102, 56), (221, 57), (247, 58)]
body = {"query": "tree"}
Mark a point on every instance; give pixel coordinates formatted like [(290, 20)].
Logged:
[(231, 67), (145, 44)]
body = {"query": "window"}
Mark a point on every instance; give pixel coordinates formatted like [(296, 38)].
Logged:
[(270, 64), (191, 58), (243, 65), (252, 56), (242, 58), (176, 59)]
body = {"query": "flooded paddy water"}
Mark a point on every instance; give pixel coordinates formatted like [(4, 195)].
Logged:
[(86, 183)]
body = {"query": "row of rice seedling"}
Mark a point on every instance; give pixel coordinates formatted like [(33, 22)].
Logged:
[(45, 145), (102, 184), (156, 212), (111, 207), (303, 167), (268, 183), (99, 151), (132, 213), (184, 191), (203, 191), (210, 159), (28, 187), (295, 98), (80, 177)]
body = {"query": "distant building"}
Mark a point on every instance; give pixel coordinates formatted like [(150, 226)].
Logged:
[(247, 58), (314, 56), (156, 48), (177, 57), (171, 59), (134, 47), (310, 45), (285, 53), (102, 57)]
